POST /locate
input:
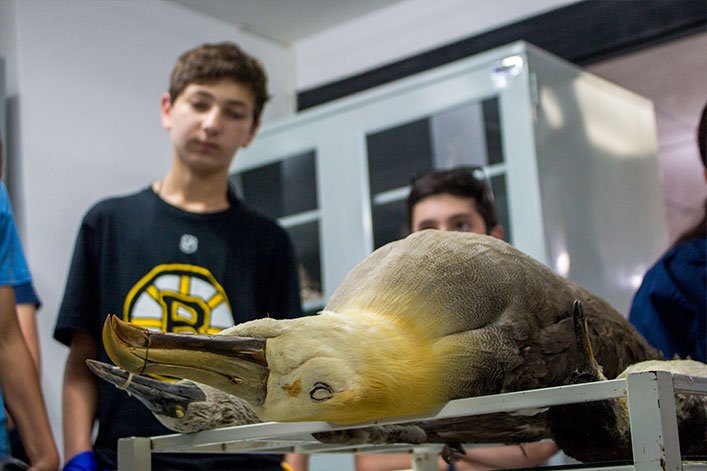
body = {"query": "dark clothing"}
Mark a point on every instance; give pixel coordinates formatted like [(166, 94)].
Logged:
[(26, 294), (670, 307), (160, 267)]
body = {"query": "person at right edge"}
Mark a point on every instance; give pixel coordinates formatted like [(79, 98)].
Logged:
[(670, 307)]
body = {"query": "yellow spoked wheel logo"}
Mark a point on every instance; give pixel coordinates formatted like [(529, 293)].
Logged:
[(179, 298)]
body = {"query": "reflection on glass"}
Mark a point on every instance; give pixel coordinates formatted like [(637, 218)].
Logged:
[(467, 135), (397, 153), (389, 222), (280, 189), (286, 190), (458, 137), (492, 129), (500, 194), (305, 238)]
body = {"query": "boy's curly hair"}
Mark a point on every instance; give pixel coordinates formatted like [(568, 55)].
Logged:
[(209, 63)]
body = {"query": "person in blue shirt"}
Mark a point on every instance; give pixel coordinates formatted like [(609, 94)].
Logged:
[(18, 375), (670, 307)]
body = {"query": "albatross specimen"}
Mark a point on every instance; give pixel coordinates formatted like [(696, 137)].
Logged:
[(433, 317), (600, 430)]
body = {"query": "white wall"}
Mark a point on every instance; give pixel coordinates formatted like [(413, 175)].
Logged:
[(402, 30), (84, 82)]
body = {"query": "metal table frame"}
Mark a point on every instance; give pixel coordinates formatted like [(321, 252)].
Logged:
[(651, 403)]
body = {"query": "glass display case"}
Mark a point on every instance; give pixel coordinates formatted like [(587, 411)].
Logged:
[(571, 159), (465, 136)]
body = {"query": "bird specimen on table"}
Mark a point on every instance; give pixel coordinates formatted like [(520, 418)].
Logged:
[(600, 430), (433, 317)]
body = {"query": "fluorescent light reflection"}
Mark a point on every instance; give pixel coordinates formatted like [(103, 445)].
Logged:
[(551, 108), (562, 264), (616, 129)]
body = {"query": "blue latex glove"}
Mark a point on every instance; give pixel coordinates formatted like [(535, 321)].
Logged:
[(84, 461)]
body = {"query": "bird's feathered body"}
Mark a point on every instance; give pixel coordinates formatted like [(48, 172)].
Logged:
[(459, 289), (431, 318), (601, 430)]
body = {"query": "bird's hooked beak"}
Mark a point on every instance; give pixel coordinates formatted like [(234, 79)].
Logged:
[(163, 398), (236, 365)]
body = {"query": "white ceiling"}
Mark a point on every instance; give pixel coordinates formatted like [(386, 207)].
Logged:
[(285, 21)]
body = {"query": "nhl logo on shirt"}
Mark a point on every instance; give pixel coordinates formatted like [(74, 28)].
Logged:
[(188, 243)]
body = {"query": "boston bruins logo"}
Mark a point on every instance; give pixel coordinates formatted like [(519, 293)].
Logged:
[(179, 298)]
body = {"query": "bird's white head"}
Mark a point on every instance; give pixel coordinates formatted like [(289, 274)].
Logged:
[(338, 367)]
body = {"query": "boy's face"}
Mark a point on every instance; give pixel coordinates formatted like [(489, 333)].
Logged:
[(208, 123), (446, 212)]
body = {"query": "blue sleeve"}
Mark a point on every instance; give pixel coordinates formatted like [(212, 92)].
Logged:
[(26, 294), (13, 266), (669, 307)]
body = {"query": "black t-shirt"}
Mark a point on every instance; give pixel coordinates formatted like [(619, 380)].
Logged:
[(161, 267)]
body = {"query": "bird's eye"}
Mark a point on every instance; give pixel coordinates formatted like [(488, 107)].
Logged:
[(321, 392)]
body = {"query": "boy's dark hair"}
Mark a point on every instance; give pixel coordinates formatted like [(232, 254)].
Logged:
[(457, 182), (209, 63)]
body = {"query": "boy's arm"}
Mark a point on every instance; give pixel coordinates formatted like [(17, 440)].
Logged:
[(297, 461), (20, 383), (79, 396), (27, 315), (28, 325), (511, 456)]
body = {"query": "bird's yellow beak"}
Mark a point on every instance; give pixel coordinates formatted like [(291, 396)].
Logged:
[(236, 365)]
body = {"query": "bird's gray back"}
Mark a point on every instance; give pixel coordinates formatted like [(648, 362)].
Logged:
[(449, 283)]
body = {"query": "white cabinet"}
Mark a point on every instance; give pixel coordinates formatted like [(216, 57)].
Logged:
[(571, 159)]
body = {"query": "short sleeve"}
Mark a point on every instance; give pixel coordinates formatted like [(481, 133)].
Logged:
[(26, 294), (13, 266)]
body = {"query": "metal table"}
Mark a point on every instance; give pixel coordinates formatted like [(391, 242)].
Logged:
[(651, 403)]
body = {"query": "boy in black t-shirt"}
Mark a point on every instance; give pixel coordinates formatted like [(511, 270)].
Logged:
[(181, 255)]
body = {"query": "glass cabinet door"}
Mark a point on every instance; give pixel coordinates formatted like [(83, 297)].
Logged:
[(363, 150), (468, 135), (286, 191), (536, 127)]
